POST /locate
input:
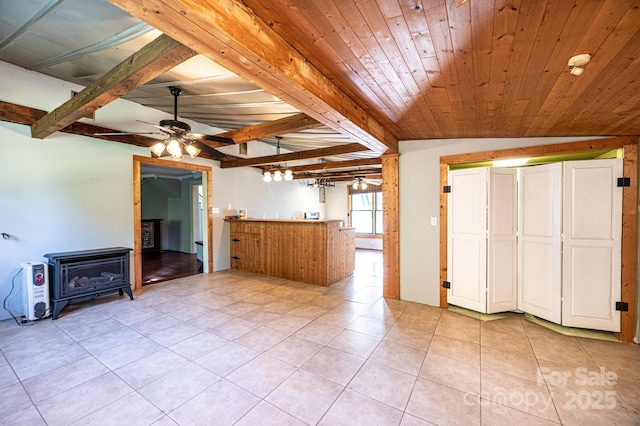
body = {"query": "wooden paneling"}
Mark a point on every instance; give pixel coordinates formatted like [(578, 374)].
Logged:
[(391, 226), (313, 252), (629, 211), (247, 248), (489, 68)]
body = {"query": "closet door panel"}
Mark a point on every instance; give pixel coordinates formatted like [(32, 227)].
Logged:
[(502, 240), (539, 245), (467, 247), (592, 229)]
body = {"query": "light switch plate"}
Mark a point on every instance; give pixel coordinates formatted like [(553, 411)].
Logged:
[(215, 210), (434, 221)]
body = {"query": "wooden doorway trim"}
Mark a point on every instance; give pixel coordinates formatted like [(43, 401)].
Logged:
[(629, 145), (137, 211)]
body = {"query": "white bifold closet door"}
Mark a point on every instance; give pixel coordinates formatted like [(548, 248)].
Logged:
[(467, 246), (502, 241), (592, 230), (539, 245), (481, 248)]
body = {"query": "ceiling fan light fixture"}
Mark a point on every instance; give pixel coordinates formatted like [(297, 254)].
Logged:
[(288, 175), (360, 183), (157, 149), (177, 157), (192, 150), (267, 176), (174, 148), (277, 176)]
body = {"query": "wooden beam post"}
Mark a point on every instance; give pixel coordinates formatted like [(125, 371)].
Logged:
[(629, 271), (391, 224), (291, 124), (232, 35), (152, 60)]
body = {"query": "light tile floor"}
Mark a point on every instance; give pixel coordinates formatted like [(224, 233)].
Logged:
[(238, 348)]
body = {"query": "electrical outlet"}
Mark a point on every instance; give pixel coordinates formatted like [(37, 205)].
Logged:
[(215, 210), (434, 221)]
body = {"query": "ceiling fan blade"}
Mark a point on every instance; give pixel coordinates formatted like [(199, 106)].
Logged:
[(211, 151), (214, 138), (162, 129)]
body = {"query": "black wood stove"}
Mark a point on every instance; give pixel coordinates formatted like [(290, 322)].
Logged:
[(77, 276)]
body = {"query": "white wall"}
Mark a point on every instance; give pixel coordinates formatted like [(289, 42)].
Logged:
[(71, 192), (337, 206), (60, 194), (420, 200)]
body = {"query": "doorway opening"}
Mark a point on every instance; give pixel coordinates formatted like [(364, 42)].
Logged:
[(173, 224)]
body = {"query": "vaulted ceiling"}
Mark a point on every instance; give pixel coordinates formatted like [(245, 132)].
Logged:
[(359, 72)]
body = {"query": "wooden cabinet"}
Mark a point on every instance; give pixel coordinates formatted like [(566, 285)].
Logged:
[(316, 252)]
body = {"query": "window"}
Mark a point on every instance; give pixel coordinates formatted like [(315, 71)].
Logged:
[(366, 212)]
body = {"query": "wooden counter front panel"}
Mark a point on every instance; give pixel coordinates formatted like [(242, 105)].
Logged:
[(246, 247), (316, 253)]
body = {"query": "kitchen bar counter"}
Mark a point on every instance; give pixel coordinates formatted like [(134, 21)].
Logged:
[(312, 251)]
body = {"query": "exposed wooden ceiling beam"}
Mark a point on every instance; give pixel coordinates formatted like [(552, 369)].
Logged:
[(295, 156), (20, 114), (350, 178), (232, 35), (336, 165), (344, 173), (152, 60), (294, 123)]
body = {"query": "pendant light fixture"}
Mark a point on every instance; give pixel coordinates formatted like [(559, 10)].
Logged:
[(278, 174)]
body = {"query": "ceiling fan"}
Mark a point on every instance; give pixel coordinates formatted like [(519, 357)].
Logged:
[(361, 182), (179, 136)]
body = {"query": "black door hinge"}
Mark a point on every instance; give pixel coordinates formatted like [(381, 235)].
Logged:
[(446, 189), (622, 306), (446, 284), (624, 181)]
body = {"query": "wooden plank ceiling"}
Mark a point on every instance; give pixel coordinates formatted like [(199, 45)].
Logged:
[(388, 70), (489, 68)]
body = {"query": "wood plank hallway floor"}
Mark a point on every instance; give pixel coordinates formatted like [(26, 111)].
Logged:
[(169, 265), (238, 348)]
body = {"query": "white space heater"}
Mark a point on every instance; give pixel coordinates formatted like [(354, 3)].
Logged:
[(35, 290)]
